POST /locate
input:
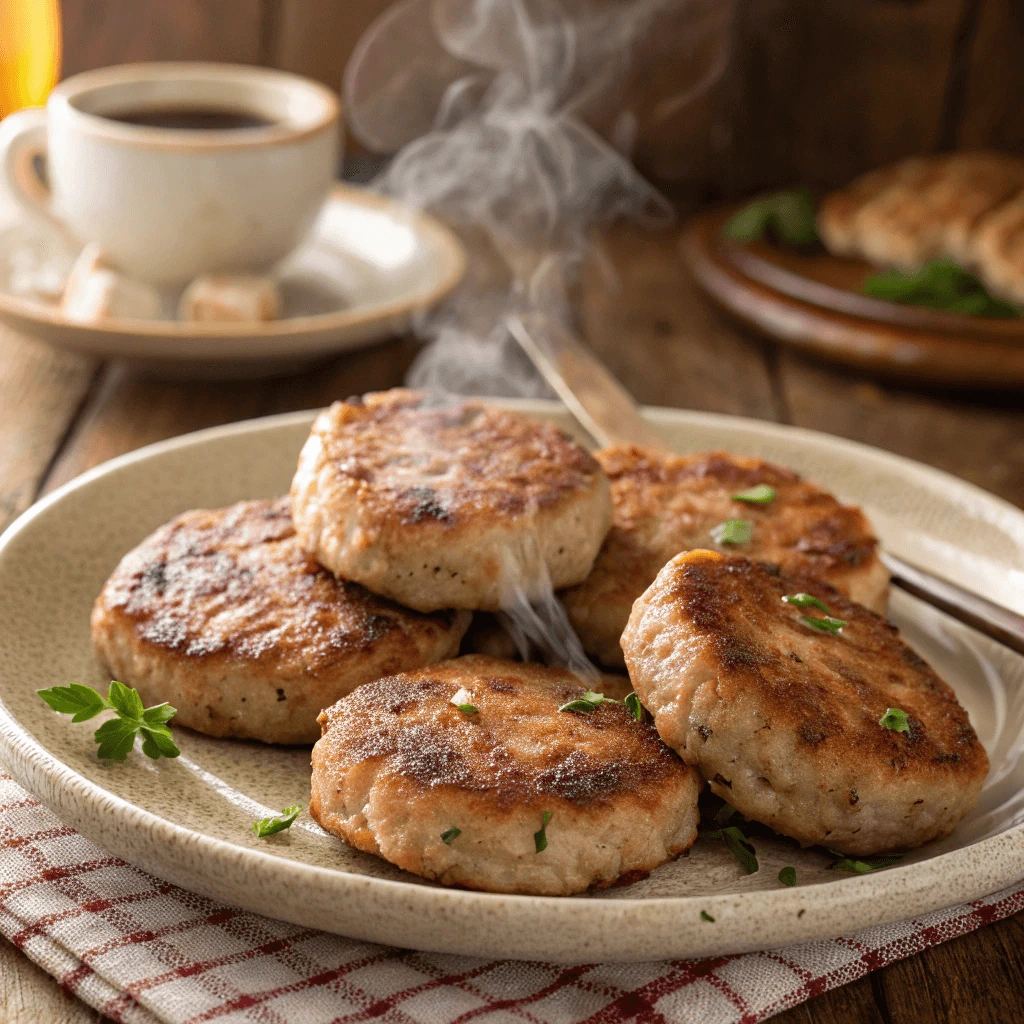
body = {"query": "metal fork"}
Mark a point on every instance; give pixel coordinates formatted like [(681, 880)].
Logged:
[(608, 413)]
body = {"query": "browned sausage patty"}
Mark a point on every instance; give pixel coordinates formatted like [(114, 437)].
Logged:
[(784, 718), (223, 615), (460, 796), (425, 502), (663, 504)]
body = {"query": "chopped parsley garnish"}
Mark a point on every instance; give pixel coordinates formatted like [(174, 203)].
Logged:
[(827, 624), (787, 876), (116, 737), (895, 719), (740, 847), (540, 839), (587, 703), (634, 707), (733, 531), (939, 284), (467, 709), (787, 217), (806, 601), (705, 916), (864, 865), (762, 494), (449, 835), (271, 826)]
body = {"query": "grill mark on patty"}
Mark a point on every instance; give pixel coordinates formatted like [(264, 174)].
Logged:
[(244, 566), (505, 466)]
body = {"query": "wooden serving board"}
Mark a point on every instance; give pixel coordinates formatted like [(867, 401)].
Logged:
[(814, 303)]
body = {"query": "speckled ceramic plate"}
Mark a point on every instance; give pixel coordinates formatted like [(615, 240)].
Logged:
[(188, 820), (368, 265)]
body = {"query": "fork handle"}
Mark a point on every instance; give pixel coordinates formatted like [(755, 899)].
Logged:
[(979, 613)]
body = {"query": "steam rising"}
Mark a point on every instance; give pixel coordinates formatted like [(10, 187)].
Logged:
[(512, 120)]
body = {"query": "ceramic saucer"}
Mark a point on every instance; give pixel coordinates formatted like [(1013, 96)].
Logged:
[(367, 268)]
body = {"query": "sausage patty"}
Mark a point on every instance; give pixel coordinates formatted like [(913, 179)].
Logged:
[(515, 796), (431, 504), (784, 719), (663, 504), (223, 615)]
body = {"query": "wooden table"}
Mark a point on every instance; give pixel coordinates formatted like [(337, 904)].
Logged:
[(61, 414)]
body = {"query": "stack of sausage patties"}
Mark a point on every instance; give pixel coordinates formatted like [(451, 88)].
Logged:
[(727, 586)]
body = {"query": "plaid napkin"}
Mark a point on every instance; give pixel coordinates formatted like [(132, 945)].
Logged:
[(142, 950)]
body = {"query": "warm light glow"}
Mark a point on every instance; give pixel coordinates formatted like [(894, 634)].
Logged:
[(29, 52)]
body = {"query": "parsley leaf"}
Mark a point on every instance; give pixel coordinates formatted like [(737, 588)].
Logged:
[(81, 701), (864, 865), (939, 284), (116, 737), (787, 217), (740, 847), (278, 823), (895, 719), (467, 709), (540, 839), (787, 876), (762, 494), (449, 835), (733, 531), (634, 707), (705, 916)]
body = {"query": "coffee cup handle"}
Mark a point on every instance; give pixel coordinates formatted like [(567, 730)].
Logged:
[(22, 140)]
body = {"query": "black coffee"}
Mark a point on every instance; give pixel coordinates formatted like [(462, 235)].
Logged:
[(191, 118)]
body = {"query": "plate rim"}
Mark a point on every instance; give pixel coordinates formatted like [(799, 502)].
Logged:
[(451, 254), (804, 913)]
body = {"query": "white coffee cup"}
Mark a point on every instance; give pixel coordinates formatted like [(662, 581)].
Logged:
[(166, 204)]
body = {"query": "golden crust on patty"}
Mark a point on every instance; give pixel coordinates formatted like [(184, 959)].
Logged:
[(399, 765), (783, 718), (425, 502), (663, 504), (222, 614)]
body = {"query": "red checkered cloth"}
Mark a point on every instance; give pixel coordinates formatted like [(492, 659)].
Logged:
[(141, 950)]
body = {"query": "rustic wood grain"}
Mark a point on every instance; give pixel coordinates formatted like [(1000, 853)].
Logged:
[(28, 995), (975, 979), (316, 37), (102, 32), (828, 88), (992, 102), (643, 316), (41, 393), (129, 411)]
